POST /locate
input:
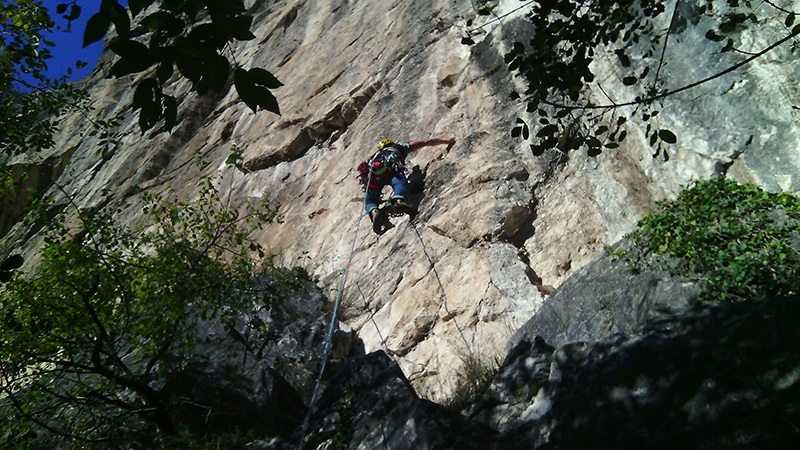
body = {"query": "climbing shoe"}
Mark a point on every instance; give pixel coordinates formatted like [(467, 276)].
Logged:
[(400, 207), (380, 222)]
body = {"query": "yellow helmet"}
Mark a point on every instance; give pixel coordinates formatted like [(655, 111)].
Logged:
[(384, 143)]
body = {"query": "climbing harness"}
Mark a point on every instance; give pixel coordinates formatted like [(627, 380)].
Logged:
[(375, 172)]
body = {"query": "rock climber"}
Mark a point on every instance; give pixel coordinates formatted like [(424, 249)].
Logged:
[(388, 169)]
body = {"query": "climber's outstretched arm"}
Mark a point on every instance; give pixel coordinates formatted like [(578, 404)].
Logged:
[(414, 145)]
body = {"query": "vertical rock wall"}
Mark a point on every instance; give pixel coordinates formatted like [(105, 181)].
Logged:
[(497, 227)]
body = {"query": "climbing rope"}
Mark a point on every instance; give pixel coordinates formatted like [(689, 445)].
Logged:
[(441, 286), (339, 293), (329, 337), (372, 314)]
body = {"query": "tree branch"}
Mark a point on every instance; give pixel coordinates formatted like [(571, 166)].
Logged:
[(666, 40), (684, 88)]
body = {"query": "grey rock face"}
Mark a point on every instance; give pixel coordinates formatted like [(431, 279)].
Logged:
[(721, 377), (370, 404), (259, 371), (602, 299), (497, 228)]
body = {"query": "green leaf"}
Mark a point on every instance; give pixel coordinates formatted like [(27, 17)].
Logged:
[(119, 16), (713, 36), (537, 150), (165, 71), (727, 27), (739, 18), (252, 94), (137, 6), (667, 136), (206, 39), (147, 99), (548, 130), (245, 87), (789, 20), (728, 46), (264, 78), (623, 58), (241, 28), (188, 65), (134, 57), (127, 48), (214, 75), (164, 22), (173, 5), (629, 81), (96, 28), (235, 158), (74, 13)]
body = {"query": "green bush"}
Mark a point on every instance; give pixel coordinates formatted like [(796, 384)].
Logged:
[(88, 337), (739, 239)]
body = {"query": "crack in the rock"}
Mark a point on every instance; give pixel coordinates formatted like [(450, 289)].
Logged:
[(721, 168), (533, 277), (329, 128)]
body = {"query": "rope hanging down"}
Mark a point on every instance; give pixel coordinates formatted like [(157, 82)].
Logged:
[(329, 337)]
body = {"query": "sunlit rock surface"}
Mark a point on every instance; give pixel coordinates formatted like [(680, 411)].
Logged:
[(498, 228)]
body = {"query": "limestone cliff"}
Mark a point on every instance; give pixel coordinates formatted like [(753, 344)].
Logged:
[(497, 226)]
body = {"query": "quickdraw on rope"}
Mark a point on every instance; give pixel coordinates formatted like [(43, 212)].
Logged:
[(329, 337)]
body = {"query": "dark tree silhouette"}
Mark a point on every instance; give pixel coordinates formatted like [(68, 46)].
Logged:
[(569, 36)]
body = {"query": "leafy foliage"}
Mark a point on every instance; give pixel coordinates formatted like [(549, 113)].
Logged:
[(570, 35), (6, 183), (30, 101), (109, 311), (179, 36), (742, 241), (556, 67)]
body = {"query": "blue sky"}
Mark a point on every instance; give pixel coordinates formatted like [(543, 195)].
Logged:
[(69, 44)]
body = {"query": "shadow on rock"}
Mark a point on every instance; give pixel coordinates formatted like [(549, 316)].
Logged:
[(371, 404), (718, 377)]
